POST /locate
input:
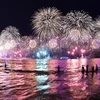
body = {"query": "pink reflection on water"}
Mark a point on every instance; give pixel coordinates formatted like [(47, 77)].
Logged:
[(83, 61), (71, 83)]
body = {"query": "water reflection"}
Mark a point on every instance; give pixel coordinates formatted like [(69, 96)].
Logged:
[(42, 84), (41, 65), (45, 83)]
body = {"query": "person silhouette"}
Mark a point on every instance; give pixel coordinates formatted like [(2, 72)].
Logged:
[(96, 67), (5, 66), (58, 69), (92, 69), (83, 69)]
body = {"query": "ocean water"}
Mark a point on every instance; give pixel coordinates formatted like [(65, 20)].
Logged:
[(27, 79)]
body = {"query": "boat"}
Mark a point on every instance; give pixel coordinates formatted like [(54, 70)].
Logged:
[(64, 58)]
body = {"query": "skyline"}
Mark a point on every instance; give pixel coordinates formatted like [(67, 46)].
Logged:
[(18, 13)]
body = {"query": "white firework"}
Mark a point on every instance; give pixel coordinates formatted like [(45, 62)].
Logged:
[(47, 22), (10, 33), (64, 43), (9, 37), (79, 37), (97, 35), (78, 26), (96, 40), (96, 44), (25, 42), (97, 22), (97, 25)]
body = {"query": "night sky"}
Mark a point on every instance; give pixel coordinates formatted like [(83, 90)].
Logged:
[(18, 12)]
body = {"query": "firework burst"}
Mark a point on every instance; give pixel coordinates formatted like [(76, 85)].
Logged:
[(95, 44), (96, 36), (52, 43), (47, 22), (32, 43), (78, 20), (97, 22), (9, 37), (96, 40), (25, 42), (78, 26), (97, 25), (10, 33)]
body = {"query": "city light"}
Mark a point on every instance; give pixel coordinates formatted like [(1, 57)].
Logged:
[(76, 52)]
